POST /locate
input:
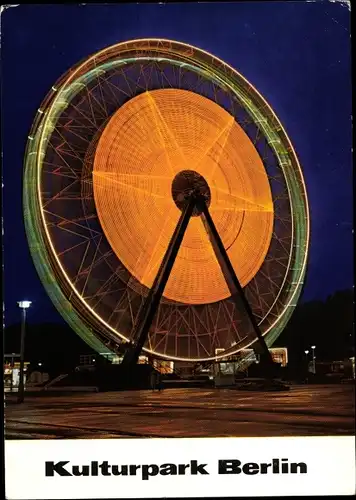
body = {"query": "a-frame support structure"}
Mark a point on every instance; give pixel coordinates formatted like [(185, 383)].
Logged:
[(197, 203)]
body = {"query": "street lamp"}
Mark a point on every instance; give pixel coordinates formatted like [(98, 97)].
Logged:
[(307, 367), (23, 305), (313, 355)]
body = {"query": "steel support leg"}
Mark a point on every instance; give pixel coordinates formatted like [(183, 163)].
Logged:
[(151, 304), (231, 278)]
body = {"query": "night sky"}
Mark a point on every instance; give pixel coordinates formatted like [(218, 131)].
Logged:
[(297, 54)]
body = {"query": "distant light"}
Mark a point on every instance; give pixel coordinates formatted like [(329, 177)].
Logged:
[(313, 346), (93, 360), (306, 352), (39, 364), (24, 304)]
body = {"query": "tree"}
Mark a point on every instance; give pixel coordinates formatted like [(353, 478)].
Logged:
[(56, 346), (328, 325)]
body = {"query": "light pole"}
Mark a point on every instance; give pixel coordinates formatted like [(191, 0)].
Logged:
[(23, 305), (307, 367), (313, 355)]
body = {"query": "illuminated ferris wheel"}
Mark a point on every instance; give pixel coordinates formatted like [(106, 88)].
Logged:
[(165, 207)]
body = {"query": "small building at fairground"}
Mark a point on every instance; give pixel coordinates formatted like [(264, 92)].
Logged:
[(12, 372), (187, 369)]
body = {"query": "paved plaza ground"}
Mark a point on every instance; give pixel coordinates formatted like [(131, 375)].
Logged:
[(304, 410)]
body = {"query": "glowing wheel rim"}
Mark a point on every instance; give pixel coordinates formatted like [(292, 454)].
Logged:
[(97, 295)]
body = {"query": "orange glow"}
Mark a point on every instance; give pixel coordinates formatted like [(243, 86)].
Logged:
[(146, 143)]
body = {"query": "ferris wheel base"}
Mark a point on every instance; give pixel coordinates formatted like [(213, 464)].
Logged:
[(144, 377)]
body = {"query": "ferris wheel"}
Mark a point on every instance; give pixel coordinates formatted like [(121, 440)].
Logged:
[(165, 207)]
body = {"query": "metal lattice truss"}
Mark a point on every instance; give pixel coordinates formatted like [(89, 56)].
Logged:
[(87, 281)]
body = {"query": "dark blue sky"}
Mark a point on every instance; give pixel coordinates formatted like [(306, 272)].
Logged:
[(297, 54)]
